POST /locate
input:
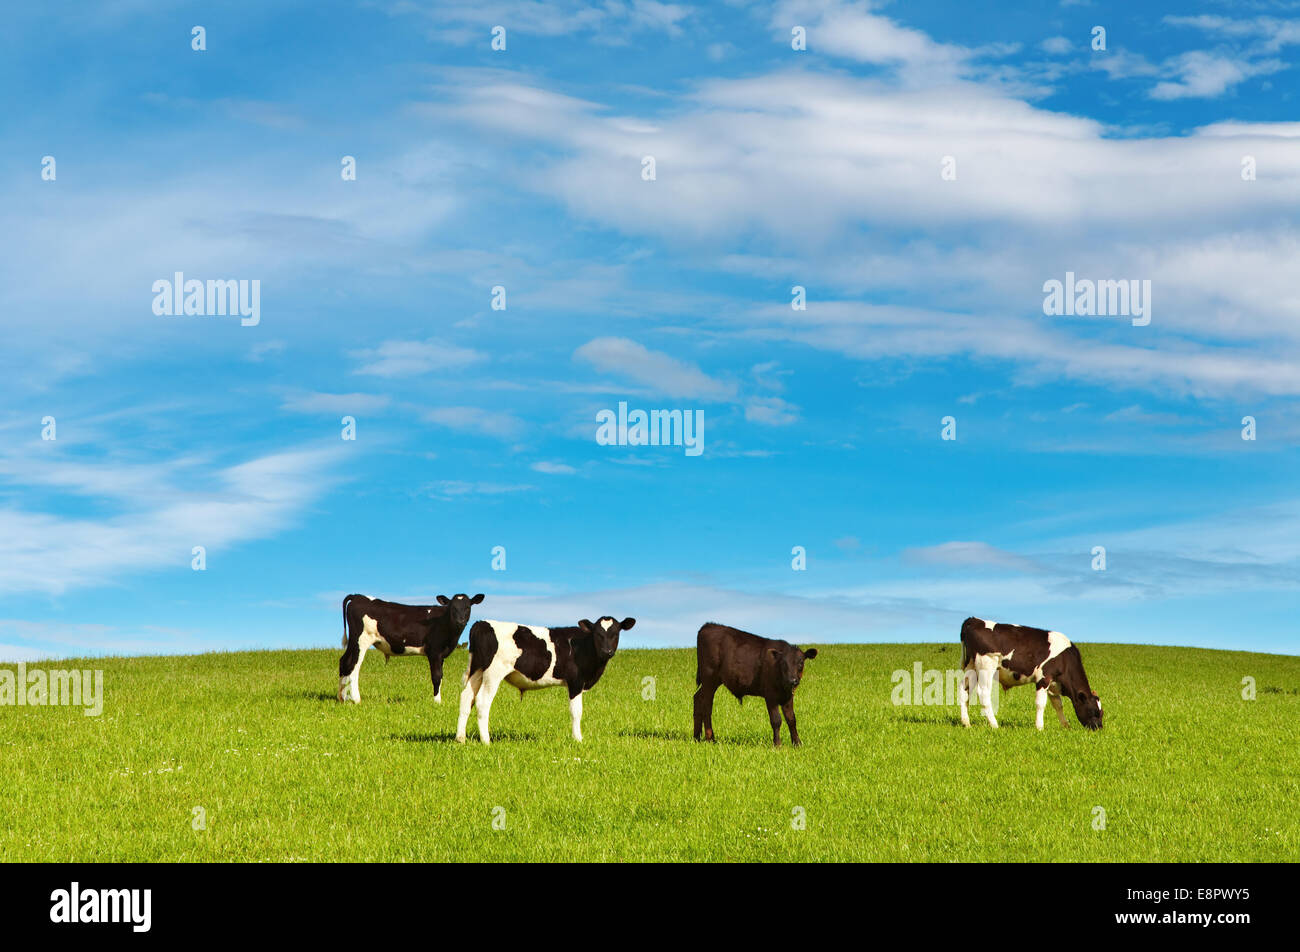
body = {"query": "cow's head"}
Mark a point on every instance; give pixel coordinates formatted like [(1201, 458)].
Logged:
[(788, 662), (458, 607), (1087, 707), (604, 634)]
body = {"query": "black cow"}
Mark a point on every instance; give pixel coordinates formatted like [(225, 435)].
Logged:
[(397, 629), (750, 666), (1022, 655), (531, 657)]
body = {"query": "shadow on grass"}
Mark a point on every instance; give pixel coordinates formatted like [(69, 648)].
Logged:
[(684, 736), (912, 717), (449, 737), (330, 697), (313, 696)]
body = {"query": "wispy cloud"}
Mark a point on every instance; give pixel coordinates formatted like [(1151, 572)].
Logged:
[(477, 420), (407, 358), (619, 356), (160, 515)]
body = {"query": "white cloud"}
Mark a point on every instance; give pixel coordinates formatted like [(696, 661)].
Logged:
[(1208, 75), (796, 162), (406, 358), (160, 516), (771, 411), (477, 420), (651, 368), (553, 469), (849, 29)]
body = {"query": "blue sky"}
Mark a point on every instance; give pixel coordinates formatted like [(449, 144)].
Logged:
[(522, 168)]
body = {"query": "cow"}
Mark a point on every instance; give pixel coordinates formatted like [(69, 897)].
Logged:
[(750, 666), (397, 629), (1022, 655), (531, 657)]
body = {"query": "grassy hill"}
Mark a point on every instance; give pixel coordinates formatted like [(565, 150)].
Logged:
[(1185, 769)]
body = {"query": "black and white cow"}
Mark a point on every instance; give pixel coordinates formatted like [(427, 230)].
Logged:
[(1021, 655), (531, 657), (397, 629)]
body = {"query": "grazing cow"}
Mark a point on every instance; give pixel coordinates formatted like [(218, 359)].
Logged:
[(1023, 655), (531, 657), (396, 629), (749, 666)]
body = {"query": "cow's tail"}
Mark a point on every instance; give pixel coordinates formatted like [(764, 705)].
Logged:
[(346, 599)]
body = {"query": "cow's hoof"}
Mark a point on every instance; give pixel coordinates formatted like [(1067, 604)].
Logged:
[(437, 699), (460, 738)]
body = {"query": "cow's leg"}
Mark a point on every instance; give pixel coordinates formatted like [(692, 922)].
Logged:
[(364, 645), (985, 668), (472, 683), (774, 715), (1055, 698), (575, 713), (364, 641), (492, 679), (963, 695), (1040, 704), (347, 665), (788, 710), (435, 675), (704, 709)]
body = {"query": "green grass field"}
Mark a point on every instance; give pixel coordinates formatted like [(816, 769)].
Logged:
[(1185, 769)]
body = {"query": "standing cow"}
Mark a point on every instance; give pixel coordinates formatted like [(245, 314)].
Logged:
[(1022, 655), (750, 666), (531, 657), (397, 629)]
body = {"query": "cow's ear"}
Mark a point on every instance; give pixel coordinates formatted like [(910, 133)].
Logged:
[(627, 623), (444, 600), (775, 653), (476, 599), (810, 653), (585, 626)]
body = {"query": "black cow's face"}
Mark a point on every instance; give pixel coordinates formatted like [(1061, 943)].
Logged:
[(1087, 707), (789, 664), (458, 607), (604, 634)]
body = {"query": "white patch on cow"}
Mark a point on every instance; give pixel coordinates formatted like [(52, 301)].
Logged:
[(548, 678), (1056, 643), (502, 669), (575, 713), (606, 624), (988, 624), (985, 665), (349, 684)]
